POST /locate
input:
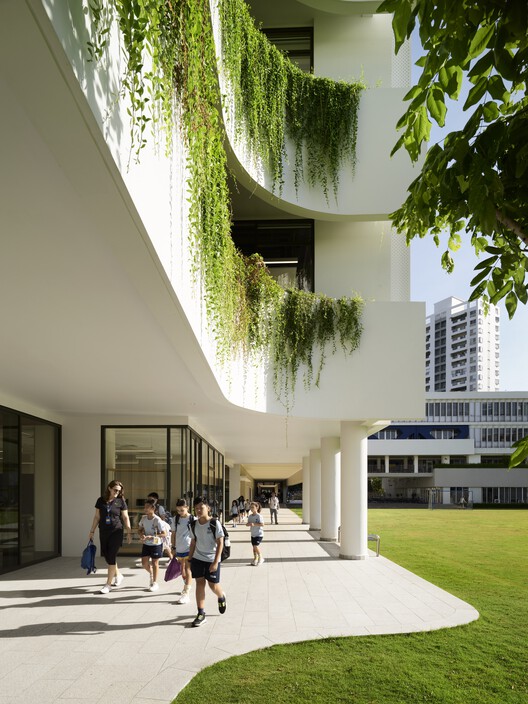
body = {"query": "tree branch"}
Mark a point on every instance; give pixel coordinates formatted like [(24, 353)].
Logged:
[(512, 225)]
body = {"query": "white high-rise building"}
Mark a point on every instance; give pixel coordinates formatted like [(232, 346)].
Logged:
[(462, 347)]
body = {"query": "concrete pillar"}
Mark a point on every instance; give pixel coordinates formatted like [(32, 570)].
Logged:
[(315, 489), (330, 488), (306, 490), (234, 486), (354, 492)]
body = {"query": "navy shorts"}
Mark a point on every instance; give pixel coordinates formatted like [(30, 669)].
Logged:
[(201, 569), (153, 551), (256, 541)]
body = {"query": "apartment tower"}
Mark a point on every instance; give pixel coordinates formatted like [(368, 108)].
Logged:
[(462, 347)]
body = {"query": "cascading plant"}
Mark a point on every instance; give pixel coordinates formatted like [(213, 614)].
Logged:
[(170, 80)]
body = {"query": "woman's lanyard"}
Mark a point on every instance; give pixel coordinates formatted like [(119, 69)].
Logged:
[(108, 519)]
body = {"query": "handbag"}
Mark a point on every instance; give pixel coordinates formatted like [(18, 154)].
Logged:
[(173, 570), (88, 558)]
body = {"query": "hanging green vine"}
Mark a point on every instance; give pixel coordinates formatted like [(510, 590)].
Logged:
[(274, 99), (248, 310)]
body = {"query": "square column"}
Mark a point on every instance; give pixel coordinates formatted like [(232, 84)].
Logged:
[(306, 490), (354, 492), (315, 489), (234, 486), (330, 488)]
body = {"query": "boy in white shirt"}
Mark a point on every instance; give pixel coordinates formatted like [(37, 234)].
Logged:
[(206, 547)]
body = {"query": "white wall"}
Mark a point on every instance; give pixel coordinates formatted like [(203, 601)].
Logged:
[(353, 257)]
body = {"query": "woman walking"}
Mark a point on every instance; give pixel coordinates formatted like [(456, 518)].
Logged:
[(111, 515)]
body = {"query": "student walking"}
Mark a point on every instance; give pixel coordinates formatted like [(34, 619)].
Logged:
[(256, 526), (165, 516), (274, 508), (111, 515), (241, 509), (204, 553), (151, 531), (234, 512), (182, 544)]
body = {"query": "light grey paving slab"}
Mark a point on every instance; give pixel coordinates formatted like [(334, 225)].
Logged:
[(59, 639)]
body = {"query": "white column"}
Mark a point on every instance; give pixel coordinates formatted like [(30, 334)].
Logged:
[(306, 490), (330, 488), (315, 489), (234, 486), (354, 492)]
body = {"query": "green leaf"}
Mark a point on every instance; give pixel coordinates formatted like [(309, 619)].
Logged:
[(511, 304), (400, 23), (499, 295), (476, 93), (480, 40), (421, 127), (520, 453), (479, 277), (447, 262), (486, 263), (436, 106), (490, 111)]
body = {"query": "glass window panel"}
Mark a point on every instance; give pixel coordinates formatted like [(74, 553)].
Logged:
[(38, 490), (9, 505)]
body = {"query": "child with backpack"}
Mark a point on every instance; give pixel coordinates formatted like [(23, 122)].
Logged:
[(205, 553), (182, 542), (151, 531), (256, 523)]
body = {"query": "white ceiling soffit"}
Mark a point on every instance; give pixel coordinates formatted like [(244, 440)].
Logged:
[(89, 323)]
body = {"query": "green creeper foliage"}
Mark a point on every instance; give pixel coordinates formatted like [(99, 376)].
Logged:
[(477, 180), (170, 79)]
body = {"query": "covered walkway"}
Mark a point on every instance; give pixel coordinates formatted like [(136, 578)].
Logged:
[(62, 642)]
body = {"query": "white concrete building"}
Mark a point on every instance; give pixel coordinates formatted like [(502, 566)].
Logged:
[(462, 347), (107, 366), (461, 449)]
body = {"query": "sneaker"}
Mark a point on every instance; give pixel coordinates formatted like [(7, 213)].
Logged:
[(184, 599), (261, 561), (222, 605), (199, 620), (118, 581), (154, 587), (105, 589), (254, 563)]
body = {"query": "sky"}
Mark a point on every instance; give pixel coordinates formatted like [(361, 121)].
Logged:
[(430, 283)]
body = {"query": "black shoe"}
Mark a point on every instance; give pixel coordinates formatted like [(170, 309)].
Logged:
[(199, 620), (222, 606)]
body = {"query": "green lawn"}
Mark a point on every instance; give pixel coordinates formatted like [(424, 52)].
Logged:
[(480, 556)]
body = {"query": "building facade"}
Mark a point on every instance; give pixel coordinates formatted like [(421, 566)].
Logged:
[(462, 347), (108, 365), (461, 449)]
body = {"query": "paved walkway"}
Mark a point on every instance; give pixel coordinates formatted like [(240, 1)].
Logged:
[(62, 642)]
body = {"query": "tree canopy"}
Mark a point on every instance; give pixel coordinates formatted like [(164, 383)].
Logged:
[(476, 181)]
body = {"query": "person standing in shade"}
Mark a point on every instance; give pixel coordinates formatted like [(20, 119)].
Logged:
[(274, 508), (204, 553), (256, 525), (234, 512), (111, 515)]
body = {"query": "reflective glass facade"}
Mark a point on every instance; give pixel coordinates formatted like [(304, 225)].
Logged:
[(173, 461), (29, 489)]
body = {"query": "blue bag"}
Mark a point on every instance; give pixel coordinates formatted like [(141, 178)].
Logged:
[(88, 558)]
